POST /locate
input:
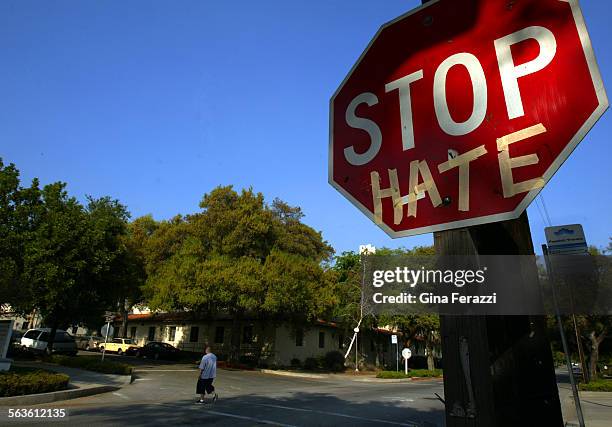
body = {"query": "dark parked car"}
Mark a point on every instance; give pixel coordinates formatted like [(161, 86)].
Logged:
[(158, 350)]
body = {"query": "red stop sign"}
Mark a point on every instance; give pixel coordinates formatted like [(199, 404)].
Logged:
[(460, 111)]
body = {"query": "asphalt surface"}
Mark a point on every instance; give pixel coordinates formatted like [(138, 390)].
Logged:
[(164, 394)]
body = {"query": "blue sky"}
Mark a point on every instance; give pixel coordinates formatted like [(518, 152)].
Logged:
[(156, 103)]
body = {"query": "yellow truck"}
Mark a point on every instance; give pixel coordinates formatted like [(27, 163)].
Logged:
[(119, 346)]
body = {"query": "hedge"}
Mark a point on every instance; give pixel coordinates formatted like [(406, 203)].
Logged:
[(92, 363), (413, 373), (599, 385), (21, 381)]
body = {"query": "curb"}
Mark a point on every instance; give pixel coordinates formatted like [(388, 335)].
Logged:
[(383, 380), (55, 396)]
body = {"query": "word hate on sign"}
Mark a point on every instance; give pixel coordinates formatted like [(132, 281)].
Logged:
[(459, 112)]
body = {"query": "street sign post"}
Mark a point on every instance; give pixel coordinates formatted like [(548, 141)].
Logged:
[(460, 111), (106, 331), (394, 341)]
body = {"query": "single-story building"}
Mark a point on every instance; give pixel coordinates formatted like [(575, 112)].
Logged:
[(265, 342)]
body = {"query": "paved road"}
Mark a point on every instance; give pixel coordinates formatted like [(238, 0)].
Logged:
[(165, 395)]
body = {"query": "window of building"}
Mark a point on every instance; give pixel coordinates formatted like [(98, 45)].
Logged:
[(299, 338), (133, 332), (151, 336), (372, 345), (172, 333), (194, 333), (321, 339), (340, 341), (247, 334), (25, 325), (219, 334)]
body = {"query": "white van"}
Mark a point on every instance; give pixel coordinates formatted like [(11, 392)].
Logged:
[(36, 340)]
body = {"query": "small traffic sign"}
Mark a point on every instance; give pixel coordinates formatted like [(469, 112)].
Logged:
[(406, 353), (566, 240)]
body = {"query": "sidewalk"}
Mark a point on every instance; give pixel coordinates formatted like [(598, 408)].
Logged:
[(596, 407), (349, 376), (82, 383)]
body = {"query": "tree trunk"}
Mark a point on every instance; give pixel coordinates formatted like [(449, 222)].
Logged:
[(594, 356), (51, 341), (234, 353), (430, 356), (124, 319)]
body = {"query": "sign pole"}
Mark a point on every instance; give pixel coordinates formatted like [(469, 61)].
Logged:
[(481, 353), (568, 360), (406, 354)]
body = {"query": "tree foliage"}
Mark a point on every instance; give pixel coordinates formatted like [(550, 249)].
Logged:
[(238, 256), (349, 270), (67, 261)]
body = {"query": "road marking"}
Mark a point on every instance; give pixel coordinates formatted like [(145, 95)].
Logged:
[(401, 399), (242, 417), (143, 379), (123, 396), (337, 414)]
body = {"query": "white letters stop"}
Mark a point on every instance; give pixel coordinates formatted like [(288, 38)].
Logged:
[(509, 73)]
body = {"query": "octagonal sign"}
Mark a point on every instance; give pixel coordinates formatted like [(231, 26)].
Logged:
[(460, 111)]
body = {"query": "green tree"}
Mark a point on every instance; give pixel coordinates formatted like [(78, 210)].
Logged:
[(239, 256), (18, 217), (60, 258), (349, 269), (117, 260)]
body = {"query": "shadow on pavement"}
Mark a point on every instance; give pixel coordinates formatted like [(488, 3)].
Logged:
[(300, 409)]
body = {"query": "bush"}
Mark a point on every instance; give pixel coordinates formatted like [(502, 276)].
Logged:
[(418, 362), (599, 385), (248, 360), (413, 373), (21, 381), (296, 363), (92, 363), (311, 364), (334, 361)]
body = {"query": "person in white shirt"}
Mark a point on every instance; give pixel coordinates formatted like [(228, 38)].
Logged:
[(208, 373)]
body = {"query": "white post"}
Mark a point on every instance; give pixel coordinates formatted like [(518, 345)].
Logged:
[(356, 353), (406, 366)]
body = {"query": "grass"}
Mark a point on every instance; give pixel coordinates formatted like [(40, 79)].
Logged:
[(92, 363), (599, 385), (413, 373), (20, 381)]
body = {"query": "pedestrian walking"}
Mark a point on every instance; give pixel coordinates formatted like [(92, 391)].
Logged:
[(208, 372)]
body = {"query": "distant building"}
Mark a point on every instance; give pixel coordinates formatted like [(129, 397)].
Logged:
[(269, 343)]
